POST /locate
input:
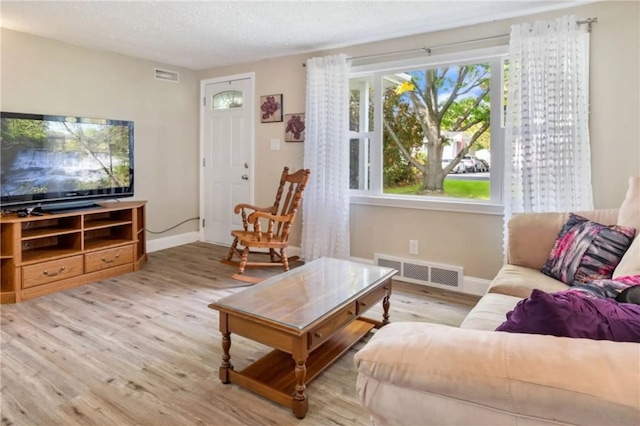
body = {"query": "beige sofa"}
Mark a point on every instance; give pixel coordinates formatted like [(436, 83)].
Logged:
[(431, 374)]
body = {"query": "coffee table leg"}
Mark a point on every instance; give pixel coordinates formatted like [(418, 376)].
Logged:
[(386, 304), (300, 401), (226, 345)]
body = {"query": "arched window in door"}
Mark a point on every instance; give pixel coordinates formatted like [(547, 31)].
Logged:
[(227, 100)]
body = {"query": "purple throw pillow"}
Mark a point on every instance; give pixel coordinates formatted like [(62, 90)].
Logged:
[(585, 251), (568, 314)]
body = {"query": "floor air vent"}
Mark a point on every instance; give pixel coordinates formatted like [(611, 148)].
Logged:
[(427, 273), (167, 75)]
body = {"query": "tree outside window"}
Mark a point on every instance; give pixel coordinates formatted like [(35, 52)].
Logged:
[(435, 122)]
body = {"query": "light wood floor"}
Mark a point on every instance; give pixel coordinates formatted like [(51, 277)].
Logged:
[(144, 349)]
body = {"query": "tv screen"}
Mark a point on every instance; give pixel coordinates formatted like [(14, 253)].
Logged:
[(50, 158)]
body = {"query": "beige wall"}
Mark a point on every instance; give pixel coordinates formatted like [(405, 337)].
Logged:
[(45, 76), (471, 240), (40, 75)]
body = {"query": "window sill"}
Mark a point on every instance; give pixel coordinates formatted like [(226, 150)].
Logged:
[(431, 203)]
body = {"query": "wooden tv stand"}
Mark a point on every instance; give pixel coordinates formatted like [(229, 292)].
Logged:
[(53, 252)]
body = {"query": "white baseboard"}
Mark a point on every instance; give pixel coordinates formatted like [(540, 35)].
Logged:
[(361, 260), (476, 286), (172, 241), (291, 250), (294, 251)]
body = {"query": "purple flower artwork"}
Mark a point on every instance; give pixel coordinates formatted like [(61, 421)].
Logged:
[(271, 109), (294, 132)]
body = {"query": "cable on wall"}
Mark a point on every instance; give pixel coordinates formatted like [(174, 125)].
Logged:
[(173, 227)]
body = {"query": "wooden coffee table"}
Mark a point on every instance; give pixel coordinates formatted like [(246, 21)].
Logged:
[(311, 315)]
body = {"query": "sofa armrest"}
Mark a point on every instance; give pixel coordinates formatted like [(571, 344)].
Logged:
[(532, 235), (577, 381)]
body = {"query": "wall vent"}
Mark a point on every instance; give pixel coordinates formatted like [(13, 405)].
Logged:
[(426, 273), (167, 75), (397, 265)]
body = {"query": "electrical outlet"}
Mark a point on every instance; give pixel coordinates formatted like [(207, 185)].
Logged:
[(413, 246), (275, 144)]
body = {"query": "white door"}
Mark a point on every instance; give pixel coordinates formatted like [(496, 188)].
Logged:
[(228, 147)]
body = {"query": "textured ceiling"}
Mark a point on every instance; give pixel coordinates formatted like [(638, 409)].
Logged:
[(207, 34)]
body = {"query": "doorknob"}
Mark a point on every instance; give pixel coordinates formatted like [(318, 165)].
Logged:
[(245, 177)]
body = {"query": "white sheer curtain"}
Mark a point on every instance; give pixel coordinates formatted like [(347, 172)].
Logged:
[(325, 226), (547, 153)]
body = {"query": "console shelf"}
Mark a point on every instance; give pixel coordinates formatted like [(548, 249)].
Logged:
[(32, 234), (99, 224), (44, 254)]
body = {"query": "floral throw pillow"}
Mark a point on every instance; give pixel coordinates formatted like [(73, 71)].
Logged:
[(609, 288), (585, 251)]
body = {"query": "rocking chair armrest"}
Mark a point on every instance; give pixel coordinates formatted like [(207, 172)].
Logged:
[(260, 214), (249, 206)]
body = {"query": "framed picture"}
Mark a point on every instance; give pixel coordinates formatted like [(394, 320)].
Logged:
[(271, 108), (294, 132)]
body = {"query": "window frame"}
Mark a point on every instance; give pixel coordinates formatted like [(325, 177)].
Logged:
[(375, 196), (364, 137)]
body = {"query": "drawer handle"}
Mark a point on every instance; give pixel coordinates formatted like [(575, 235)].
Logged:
[(350, 313), (104, 259), (53, 274), (319, 335), (363, 304)]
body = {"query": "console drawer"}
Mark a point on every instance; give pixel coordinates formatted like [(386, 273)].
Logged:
[(331, 325), (54, 270), (108, 258), (370, 299)]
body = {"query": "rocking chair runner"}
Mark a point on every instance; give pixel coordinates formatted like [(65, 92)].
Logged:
[(279, 218)]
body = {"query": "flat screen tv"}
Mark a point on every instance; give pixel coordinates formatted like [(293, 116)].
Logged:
[(57, 162)]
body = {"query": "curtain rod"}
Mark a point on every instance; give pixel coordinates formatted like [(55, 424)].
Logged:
[(589, 22), (427, 50)]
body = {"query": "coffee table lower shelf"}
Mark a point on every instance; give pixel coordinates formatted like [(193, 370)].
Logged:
[(273, 375)]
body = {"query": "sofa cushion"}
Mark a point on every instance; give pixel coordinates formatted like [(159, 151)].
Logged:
[(629, 215), (519, 282), (630, 262), (569, 314), (531, 236), (629, 212), (489, 312), (411, 373), (585, 251)]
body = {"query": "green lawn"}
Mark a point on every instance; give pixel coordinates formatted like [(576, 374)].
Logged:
[(478, 189)]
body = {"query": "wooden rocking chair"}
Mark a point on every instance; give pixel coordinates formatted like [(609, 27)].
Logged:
[(279, 217)]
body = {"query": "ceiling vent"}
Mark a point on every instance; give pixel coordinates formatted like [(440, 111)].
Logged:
[(167, 75), (426, 273)]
